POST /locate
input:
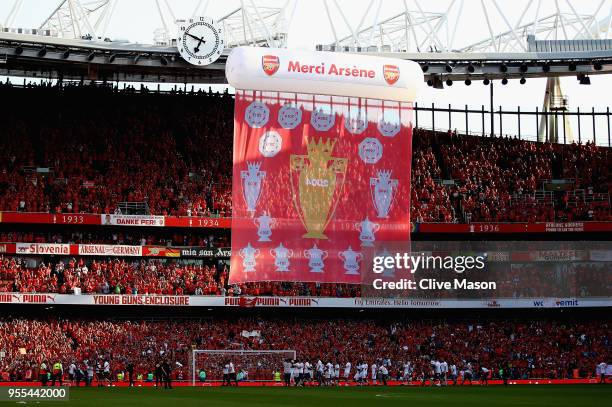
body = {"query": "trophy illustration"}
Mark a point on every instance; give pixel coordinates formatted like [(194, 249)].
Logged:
[(320, 178), (351, 260), (315, 258), (248, 254), (383, 191), (389, 123), (264, 225), (356, 121), (366, 230), (251, 185), (281, 257)]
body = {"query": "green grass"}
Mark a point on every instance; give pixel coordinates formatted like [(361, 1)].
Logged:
[(545, 395)]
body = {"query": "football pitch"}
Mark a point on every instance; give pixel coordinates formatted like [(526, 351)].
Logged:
[(533, 395)]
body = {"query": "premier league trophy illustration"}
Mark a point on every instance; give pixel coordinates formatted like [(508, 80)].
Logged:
[(248, 254), (351, 260), (264, 225), (251, 185), (315, 258), (281, 257), (383, 190), (366, 230), (320, 178)]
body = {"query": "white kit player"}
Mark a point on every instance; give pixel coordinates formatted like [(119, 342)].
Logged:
[(329, 373), (337, 373), (347, 371), (300, 371), (294, 372), (406, 376), (453, 373), (444, 372), (383, 374), (319, 372), (307, 372), (287, 372), (374, 371), (359, 376), (467, 374), (436, 372), (484, 376), (364, 373), (600, 370)]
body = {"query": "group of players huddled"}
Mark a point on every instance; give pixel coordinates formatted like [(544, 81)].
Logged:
[(100, 372), (436, 372)]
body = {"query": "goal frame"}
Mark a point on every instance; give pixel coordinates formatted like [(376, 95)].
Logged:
[(229, 352)]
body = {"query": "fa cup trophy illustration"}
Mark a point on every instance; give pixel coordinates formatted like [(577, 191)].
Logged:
[(264, 224), (315, 258), (248, 254), (383, 191), (366, 230), (351, 260), (320, 178), (281, 257), (251, 185)]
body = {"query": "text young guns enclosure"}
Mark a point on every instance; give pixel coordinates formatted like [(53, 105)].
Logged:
[(322, 152)]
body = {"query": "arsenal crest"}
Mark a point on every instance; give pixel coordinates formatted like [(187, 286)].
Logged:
[(270, 64), (390, 72)]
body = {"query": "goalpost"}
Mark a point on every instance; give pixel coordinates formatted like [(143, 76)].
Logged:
[(259, 365)]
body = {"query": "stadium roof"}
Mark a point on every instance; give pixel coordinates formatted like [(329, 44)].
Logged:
[(71, 41)]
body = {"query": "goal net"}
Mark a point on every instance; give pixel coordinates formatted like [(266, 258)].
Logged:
[(249, 365)]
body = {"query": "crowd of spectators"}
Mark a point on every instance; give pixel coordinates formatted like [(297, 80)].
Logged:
[(430, 200), (533, 349), (172, 153), (502, 179), (167, 277), (161, 237), (113, 276), (79, 275)]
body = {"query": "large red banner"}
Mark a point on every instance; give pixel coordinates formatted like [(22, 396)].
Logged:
[(316, 181)]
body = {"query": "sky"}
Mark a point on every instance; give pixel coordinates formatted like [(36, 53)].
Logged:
[(136, 20)]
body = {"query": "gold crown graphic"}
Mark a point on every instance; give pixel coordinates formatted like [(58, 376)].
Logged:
[(320, 148)]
